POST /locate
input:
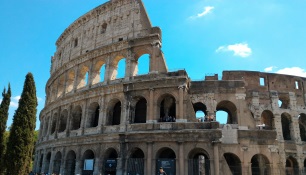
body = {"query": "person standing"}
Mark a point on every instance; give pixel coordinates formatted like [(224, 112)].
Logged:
[(161, 171)]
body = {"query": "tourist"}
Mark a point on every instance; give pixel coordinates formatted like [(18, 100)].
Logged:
[(161, 171)]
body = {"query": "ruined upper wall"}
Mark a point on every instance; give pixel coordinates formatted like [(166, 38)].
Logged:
[(268, 82), (111, 22)]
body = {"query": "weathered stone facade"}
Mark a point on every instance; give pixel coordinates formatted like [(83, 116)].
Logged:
[(133, 125)]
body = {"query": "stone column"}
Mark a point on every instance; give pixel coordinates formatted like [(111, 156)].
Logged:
[(51, 162), (63, 161), (149, 158), (78, 161), (181, 158), (216, 157), (151, 107), (44, 161), (130, 65), (102, 115), (181, 104), (76, 79), (278, 127), (295, 129), (96, 166), (111, 71)]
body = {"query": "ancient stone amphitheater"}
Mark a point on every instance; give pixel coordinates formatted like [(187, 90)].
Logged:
[(95, 122)]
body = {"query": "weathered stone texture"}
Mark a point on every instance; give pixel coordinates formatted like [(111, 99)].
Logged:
[(92, 114)]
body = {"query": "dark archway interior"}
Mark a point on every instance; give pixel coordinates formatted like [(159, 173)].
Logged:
[(70, 163), (166, 153), (260, 164), (137, 154), (267, 118), (116, 114), (141, 111), (96, 117), (53, 127), (63, 121), (76, 118), (302, 124), (285, 119), (234, 163), (57, 163), (167, 109)]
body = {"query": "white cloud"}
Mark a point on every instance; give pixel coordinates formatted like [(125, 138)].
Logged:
[(269, 69), (14, 102), (0, 100), (296, 71), (240, 49), (17, 98), (39, 99), (207, 10)]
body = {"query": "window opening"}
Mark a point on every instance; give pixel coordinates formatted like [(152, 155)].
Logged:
[(297, 85), (76, 42), (262, 81)]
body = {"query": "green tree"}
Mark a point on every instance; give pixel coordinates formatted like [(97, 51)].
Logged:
[(4, 107), (21, 139)]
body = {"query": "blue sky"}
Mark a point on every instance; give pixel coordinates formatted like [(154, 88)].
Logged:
[(202, 36)]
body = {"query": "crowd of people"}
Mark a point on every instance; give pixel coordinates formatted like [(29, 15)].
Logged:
[(32, 173), (167, 119)]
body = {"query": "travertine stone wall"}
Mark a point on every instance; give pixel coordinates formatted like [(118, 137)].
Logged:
[(92, 114)]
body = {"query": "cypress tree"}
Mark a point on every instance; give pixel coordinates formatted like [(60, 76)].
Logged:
[(4, 107), (21, 139)]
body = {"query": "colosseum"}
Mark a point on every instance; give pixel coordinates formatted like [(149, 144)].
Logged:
[(97, 123)]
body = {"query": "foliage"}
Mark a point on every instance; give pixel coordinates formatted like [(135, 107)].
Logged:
[(4, 107), (21, 139)]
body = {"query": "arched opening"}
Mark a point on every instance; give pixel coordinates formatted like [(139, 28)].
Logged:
[(76, 118), (165, 158), (70, 163), (61, 86), (93, 115), (102, 73), (198, 162), (135, 164), (292, 166), (40, 163), (302, 124), (103, 28), (57, 163), (110, 162), (82, 79), (47, 162), (63, 121), (201, 112), (54, 119), (233, 163), (286, 122), (70, 81), (143, 64), (88, 162), (229, 110), (260, 165), (98, 72), (141, 111), (283, 101), (114, 113), (168, 109), (46, 126), (267, 119), (121, 68), (86, 78)]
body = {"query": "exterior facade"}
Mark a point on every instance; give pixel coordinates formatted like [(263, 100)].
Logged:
[(96, 122)]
